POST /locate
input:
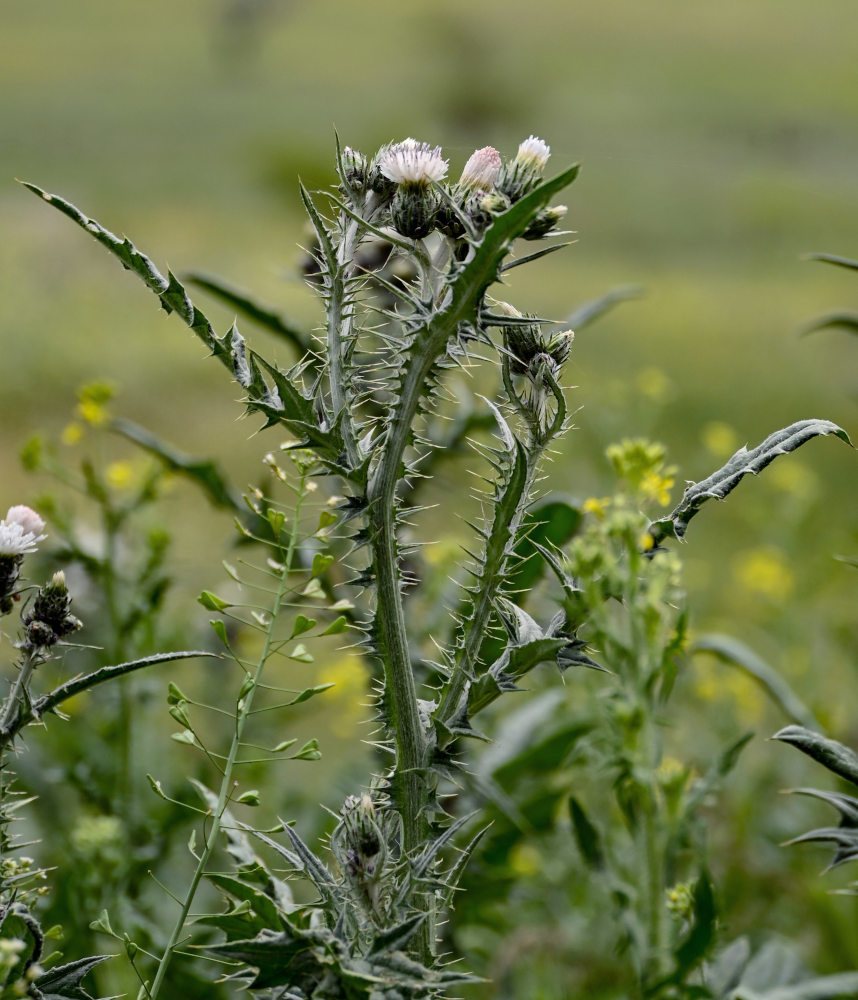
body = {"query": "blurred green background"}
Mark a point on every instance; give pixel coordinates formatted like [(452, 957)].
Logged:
[(718, 142)]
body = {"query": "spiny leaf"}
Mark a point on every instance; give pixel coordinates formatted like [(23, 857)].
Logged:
[(314, 868), (395, 938), (721, 483), (64, 981), (833, 755), (431, 852), (47, 703), (286, 404)]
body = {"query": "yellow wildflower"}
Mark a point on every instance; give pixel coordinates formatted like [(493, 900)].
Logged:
[(92, 403), (525, 859), (119, 475), (657, 484), (71, 434), (654, 384), (765, 571), (719, 439), (596, 506)]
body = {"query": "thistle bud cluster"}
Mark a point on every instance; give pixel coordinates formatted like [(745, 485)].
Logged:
[(360, 844), (20, 532), (530, 351), (406, 178), (50, 617), (537, 359)]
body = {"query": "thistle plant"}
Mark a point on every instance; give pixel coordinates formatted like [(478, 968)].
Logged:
[(405, 262)]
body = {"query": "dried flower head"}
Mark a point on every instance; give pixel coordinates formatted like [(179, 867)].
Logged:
[(412, 163), (481, 170)]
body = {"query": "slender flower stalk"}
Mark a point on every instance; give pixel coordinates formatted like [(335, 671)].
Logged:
[(227, 786)]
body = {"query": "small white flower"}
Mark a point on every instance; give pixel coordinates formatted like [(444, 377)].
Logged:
[(20, 531), (535, 151), (26, 517), (481, 170), (412, 162), (14, 541)]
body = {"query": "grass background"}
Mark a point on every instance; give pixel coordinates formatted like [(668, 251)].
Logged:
[(718, 142)]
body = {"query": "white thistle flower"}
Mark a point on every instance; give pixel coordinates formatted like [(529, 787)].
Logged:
[(14, 541), (481, 170), (412, 163), (534, 151), (26, 517)]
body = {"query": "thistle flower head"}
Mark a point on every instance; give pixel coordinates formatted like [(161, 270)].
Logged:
[(481, 170), (20, 531), (412, 163), (533, 152), (522, 173), (26, 517)]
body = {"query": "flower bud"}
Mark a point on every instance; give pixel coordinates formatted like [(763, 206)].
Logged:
[(362, 834), (523, 173), (544, 222), (414, 209), (50, 617), (355, 170), (480, 171), (482, 206)]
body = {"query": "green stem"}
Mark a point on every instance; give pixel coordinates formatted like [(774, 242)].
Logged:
[(226, 787), (18, 695)]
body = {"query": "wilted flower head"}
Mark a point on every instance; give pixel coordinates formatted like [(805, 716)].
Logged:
[(412, 163), (20, 531), (481, 170)]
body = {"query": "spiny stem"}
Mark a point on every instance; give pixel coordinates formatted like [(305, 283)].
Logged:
[(19, 693), (508, 517), (226, 787)]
